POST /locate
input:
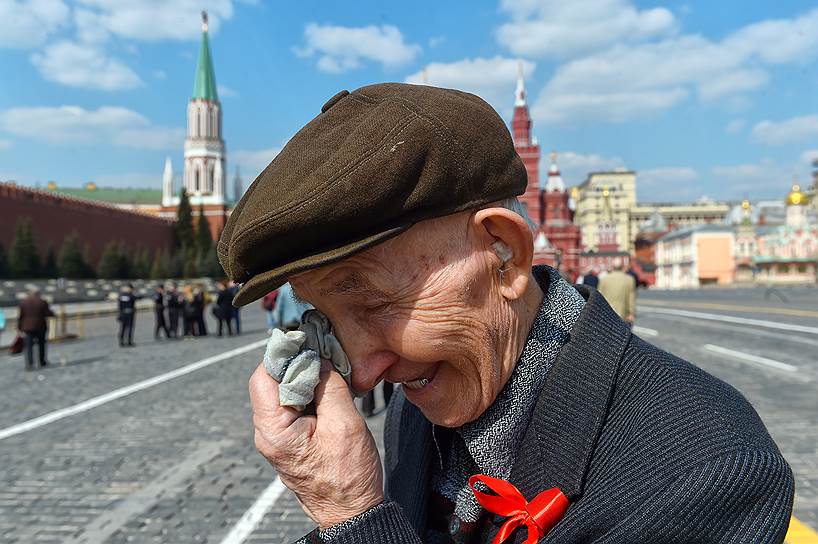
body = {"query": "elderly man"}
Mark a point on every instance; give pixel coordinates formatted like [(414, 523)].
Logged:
[(394, 213)]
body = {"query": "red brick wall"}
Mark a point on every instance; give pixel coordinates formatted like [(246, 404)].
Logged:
[(54, 217)]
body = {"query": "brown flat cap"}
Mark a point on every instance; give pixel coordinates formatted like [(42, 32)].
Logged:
[(373, 163)]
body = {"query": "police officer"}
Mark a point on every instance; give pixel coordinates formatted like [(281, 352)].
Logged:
[(127, 313), (174, 305), (159, 312)]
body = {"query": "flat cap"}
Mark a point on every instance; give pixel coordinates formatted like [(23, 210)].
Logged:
[(373, 163)]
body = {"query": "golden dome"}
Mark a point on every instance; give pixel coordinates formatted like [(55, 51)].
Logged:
[(796, 197), (52, 185), (605, 191), (745, 204), (90, 186), (575, 193)]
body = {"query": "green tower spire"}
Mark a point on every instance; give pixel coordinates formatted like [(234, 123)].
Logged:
[(205, 84)]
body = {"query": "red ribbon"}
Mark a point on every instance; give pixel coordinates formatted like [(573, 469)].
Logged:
[(539, 515)]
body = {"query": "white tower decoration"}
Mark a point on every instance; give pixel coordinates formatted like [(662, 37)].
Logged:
[(167, 183)]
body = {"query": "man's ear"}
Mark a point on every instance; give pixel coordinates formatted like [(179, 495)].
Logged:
[(511, 242)]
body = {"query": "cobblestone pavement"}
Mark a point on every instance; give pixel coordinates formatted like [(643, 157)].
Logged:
[(176, 463)]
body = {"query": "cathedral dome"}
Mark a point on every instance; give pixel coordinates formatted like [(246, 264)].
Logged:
[(796, 197)]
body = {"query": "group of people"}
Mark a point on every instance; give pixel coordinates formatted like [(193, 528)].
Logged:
[(180, 312)]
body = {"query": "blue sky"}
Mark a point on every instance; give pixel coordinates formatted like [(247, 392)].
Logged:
[(699, 97)]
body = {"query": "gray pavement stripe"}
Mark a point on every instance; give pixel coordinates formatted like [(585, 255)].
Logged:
[(750, 358), (731, 319), (166, 484), (253, 516), (123, 391), (744, 330)]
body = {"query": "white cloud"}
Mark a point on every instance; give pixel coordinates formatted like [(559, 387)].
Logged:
[(86, 66), (809, 156), (735, 126), (668, 183), (575, 167), (342, 48), (28, 23), (73, 125), (635, 80), (792, 130), (253, 162), (5, 144), (226, 92), (492, 79), (149, 20), (556, 28), (763, 179)]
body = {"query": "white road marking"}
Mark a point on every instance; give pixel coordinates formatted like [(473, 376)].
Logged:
[(731, 319), (122, 392), (743, 330), (644, 331), (251, 518), (747, 357)]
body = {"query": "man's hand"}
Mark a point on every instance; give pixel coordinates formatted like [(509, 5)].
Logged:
[(329, 460)]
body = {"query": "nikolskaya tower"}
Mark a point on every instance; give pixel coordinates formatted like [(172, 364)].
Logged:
[(204, 175)]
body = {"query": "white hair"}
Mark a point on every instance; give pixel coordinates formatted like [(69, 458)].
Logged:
[(511, 203)]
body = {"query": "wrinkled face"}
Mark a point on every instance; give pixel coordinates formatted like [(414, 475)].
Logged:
[(421, 309)]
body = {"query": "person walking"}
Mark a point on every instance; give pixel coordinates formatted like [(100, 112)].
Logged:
[(200, 302), (189, 311), (288, 310), (32, 321), (159, 312), (590, 278), (174, 304), (127, 314), (619, 289), (223, 310), (268, 303), (235, 314)]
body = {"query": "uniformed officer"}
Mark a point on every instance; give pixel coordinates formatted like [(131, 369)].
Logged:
[(127, 313)]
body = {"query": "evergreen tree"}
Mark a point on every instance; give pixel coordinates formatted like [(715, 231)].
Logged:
[(204, 241), (184, 221), (70, 262), (176, 264), (50, 266), (212, 266), (141, 265), (23, 259), (111, 261), (158, 268), (4, 265)]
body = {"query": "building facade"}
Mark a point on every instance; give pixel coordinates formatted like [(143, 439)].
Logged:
[(603, 205), (788, 254), (694, 256), (557, 240)]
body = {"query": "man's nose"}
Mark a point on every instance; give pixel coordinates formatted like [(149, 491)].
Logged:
[(368, 369)]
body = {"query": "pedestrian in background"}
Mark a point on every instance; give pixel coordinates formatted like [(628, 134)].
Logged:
[(619, 289), (590, 278), (2, 324), (188, 311), (200, 302), (288, 309), (32, 320), (127, 315), (233, 288), (223, 310), (159, 312), (268, 303), (174, 305)]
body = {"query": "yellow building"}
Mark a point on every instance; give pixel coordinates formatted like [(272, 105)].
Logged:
[(606, 197)]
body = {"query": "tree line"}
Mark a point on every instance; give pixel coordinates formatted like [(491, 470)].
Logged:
[(193, 254)]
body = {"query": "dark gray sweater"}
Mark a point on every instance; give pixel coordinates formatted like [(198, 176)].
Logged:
[(646, 446)]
